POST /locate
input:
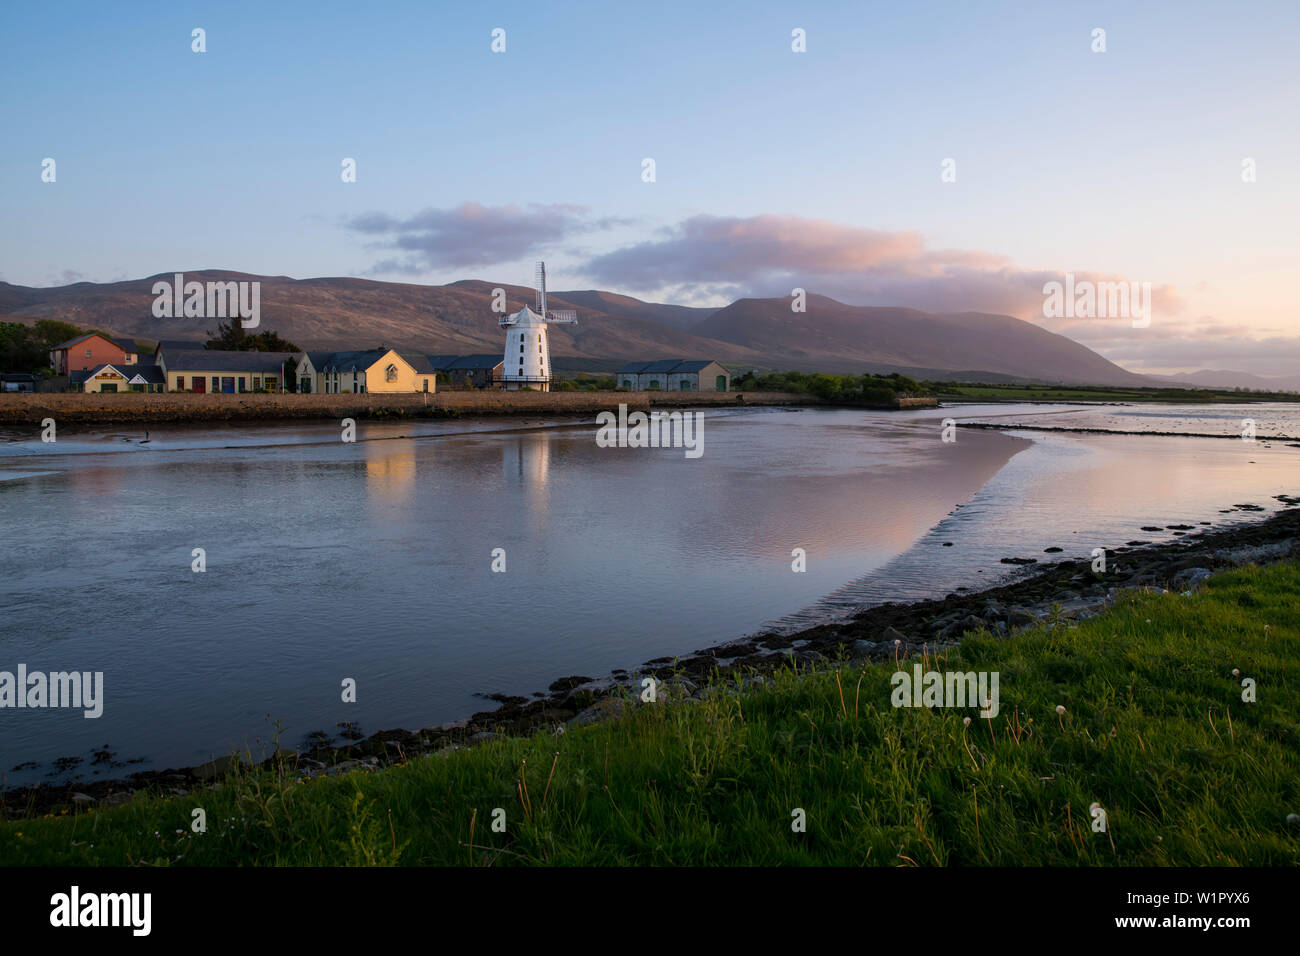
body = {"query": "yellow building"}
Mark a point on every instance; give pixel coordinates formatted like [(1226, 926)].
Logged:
[(375, 370), (212, 370)]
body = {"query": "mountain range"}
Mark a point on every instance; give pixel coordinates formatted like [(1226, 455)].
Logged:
[(1223, 378), (612, 329)]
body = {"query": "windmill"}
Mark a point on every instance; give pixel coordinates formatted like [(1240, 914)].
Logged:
[(527, 356)]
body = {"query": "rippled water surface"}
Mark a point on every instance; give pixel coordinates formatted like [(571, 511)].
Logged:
[(372, 560)]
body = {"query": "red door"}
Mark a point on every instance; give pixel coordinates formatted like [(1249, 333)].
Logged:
[(200, 383)]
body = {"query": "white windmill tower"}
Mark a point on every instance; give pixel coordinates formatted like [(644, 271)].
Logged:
[(527, 356)]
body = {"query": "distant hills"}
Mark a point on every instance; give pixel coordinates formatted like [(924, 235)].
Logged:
[(612, 328), (1220, 378)]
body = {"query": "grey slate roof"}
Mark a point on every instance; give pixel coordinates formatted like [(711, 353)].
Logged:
[(152, 374), (68, 344), (666, 366), (417, 361), (359, 361), (662, 367), (215, 360), (318, 358), (469, 363), (354, 361), (124, 344)]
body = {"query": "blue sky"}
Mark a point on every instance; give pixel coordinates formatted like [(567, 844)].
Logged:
[(773, 168)]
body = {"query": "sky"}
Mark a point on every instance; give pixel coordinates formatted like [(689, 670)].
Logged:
[(946, 156)]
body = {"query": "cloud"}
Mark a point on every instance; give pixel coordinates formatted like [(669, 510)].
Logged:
[(768, 255), (472, 234)]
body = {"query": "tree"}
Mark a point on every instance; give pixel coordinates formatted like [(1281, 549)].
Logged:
[(26, 348), (231, 337)]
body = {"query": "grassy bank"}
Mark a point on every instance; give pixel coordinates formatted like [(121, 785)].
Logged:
[(1154, 729)]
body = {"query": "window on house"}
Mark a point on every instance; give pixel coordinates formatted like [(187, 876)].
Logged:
[(390, 373), (180, 382), (87, 353)]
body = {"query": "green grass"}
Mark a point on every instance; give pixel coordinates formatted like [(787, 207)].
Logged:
[(1155, 730)]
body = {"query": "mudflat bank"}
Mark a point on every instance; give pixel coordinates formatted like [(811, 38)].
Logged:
[(1058, 593), (999, 426), (73, 408)]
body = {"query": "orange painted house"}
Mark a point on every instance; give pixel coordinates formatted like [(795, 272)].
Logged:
[(90, 351)]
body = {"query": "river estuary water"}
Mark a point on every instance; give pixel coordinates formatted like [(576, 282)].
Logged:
[(374, 560)]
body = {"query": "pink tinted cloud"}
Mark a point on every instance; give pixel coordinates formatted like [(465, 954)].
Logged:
[(768, 255)]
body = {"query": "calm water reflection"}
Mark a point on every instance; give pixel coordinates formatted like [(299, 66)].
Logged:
[(373, 560)]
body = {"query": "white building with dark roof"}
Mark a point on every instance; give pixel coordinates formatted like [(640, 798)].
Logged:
[(674, 375)]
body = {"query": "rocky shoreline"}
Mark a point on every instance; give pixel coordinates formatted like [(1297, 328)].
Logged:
[(998, 426), (1057, 593)]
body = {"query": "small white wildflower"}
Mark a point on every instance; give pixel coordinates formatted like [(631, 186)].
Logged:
[(965, 721), (1060, 708), (1235, 672)]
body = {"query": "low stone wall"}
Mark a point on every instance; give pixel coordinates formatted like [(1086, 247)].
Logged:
[(30, 409)]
